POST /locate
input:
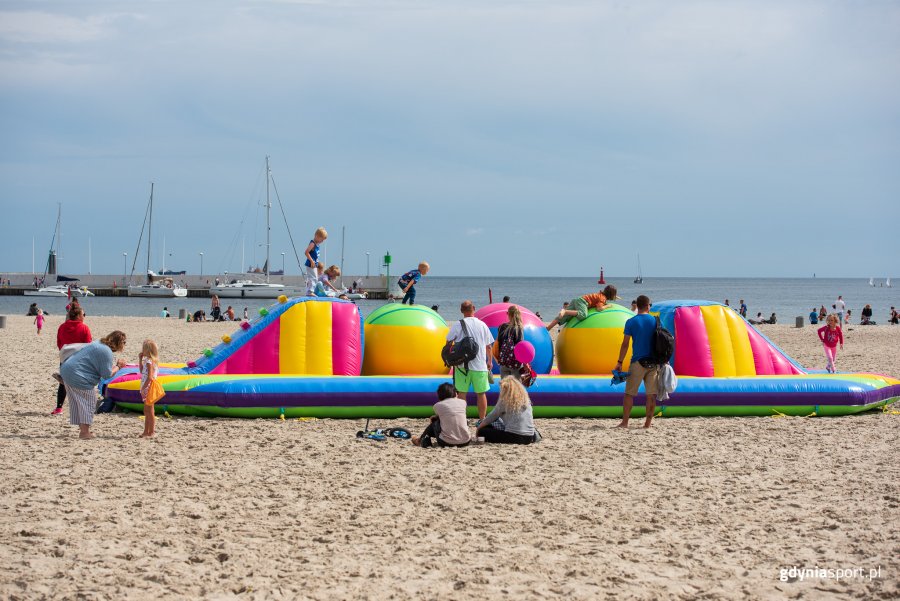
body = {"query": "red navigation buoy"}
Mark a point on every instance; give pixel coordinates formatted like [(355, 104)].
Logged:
[(601, 280)]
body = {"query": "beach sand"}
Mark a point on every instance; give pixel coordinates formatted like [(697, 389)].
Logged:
[(265, 509)]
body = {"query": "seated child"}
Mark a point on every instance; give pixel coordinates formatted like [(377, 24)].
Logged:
[(324, 286), (578, 307), (448, 425), (514, 406)]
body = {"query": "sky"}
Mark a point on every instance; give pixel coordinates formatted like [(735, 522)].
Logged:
[(492, 138)]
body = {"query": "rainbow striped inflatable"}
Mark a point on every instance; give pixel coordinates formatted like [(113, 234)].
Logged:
[(303, 358)]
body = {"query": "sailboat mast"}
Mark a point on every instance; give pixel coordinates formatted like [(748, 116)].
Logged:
[(150, 234), (58, 236), (268, 226)]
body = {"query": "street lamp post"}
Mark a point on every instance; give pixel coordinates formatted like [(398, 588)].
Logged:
[(282, 267), (125, 262), (367, 264), (201, 265)]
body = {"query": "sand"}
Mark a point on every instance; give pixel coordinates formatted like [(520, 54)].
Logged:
[(264, 509)]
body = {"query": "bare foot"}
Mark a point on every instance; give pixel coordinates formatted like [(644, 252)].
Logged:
[(622, 425), (87, 436), (148, 435), (415, 440)]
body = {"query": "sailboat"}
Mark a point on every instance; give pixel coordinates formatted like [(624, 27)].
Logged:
[(640, 278), (57, 290), (249, 288), (887, 283), (872, 282), (156, 286)]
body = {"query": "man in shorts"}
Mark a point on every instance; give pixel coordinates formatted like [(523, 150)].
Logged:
[(639, 332), (475, 376)]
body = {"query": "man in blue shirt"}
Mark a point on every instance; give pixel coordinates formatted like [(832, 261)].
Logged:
[(639, 333)]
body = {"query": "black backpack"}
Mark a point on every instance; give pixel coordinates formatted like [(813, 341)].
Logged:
[(663, 344), (459, 353)]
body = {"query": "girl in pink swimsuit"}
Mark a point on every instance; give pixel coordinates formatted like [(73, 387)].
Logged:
[(831, 335)]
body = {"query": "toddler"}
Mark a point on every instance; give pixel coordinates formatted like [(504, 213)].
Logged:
[(830, 335), (408, 281), (39, 321), (312, 260), (151, 389)]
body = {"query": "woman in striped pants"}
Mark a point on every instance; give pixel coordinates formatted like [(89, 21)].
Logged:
[(83, 371)]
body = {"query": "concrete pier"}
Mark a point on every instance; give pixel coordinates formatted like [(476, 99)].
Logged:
[(198, 286)]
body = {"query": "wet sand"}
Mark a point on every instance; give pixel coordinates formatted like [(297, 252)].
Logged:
[(265, 509)]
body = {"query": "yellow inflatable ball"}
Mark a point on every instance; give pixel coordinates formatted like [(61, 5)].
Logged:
[(591, 346), (404, 340)]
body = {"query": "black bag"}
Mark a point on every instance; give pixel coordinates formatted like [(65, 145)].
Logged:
[(459, 353), (663, 344)]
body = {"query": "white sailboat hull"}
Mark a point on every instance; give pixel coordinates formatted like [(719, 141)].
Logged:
[(59, 291), (253, 290), (153, 290)]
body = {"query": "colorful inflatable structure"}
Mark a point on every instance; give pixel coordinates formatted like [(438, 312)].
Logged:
[(304, 356)]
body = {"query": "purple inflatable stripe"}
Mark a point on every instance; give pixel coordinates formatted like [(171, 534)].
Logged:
[(587, 399)]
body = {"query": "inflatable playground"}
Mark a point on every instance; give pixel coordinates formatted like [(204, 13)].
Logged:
[(318, 357)]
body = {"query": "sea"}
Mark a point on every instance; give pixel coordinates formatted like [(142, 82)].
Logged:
[(788, 298)]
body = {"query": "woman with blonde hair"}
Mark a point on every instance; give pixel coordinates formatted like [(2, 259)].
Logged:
[(83, 371), (509, 334), (511, 421)]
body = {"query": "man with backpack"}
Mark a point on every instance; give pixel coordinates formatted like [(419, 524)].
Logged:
[(640, 332), (471, 332)]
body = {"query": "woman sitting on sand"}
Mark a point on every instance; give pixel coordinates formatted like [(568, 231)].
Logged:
[(514, 407), (83, 371)]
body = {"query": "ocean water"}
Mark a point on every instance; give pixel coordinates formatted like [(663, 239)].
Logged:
[(786, 297)]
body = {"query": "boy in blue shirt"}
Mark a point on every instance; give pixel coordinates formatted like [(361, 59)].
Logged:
[(312, 260), (408, 281), (639, 332)]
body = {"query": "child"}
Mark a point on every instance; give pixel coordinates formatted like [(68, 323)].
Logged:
[(246, 314), (324, 283), (578, 307), (151, 389), (39, 321), (831, 335), (408, 281), (448, 425), (312, 260)]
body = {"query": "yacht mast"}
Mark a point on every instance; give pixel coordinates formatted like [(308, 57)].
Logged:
[(268, 226), (150, 235)]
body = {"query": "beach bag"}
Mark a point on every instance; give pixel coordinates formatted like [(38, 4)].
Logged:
[(459, 353), (154, 392), (507, 354), (69, 350), (663, 344)]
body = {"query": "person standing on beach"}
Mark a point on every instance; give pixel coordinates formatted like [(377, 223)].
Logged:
[(509, 334), (71, 331), (830, 335), (839, 307), (475, 374), (39, 321), (743, 309), (639, 332), (312, 260), (83, 371), (408, 281)]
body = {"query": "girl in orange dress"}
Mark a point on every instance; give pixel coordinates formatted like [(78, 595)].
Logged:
[(151, 389)]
